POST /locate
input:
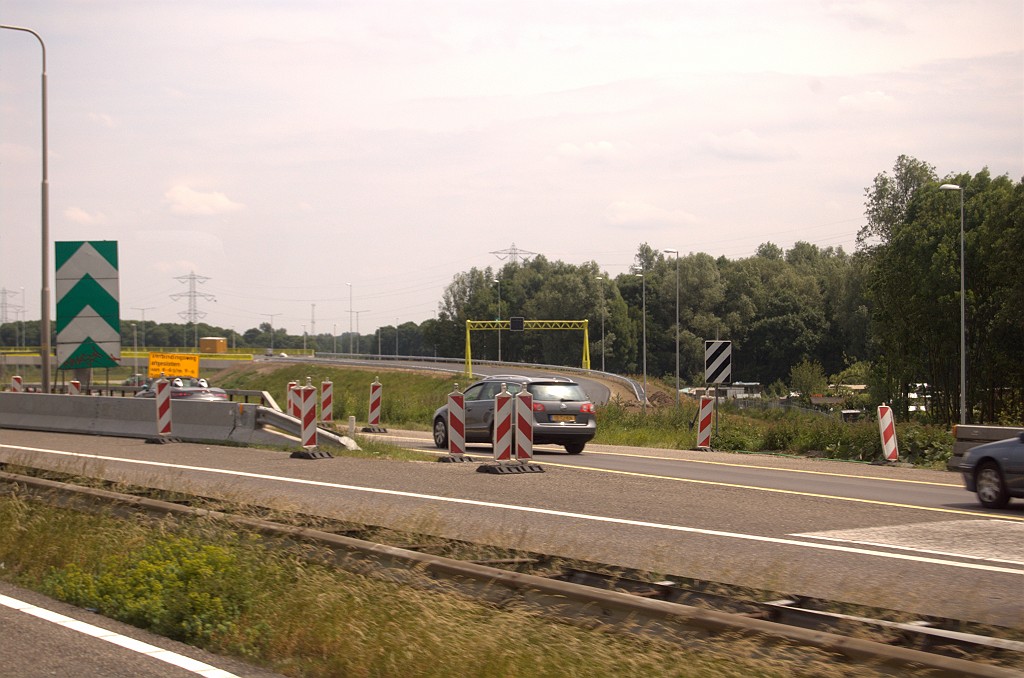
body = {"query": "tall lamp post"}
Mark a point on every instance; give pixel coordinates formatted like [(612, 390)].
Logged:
[(359, 337), (498, 280), (135, 349), (643, 282), (147, 308), (604, 312), (269, 315), (963, 315), (44, 319), (349, 316), (676, 252)]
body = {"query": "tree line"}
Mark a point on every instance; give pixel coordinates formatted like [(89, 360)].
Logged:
[(886, 315)]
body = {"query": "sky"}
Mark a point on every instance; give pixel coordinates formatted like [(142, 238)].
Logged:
[(329, 165)]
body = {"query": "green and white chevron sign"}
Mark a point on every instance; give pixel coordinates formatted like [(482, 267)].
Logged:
[(88, 305)]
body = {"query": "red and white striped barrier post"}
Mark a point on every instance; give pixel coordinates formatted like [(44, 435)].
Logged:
[(887, 429), (17, 385), (291, 399), (74, 387), (376, 389), (524, 425), (326, 401), (163, 406), (456, 423), (704, 417), (502, 442), (306, 395)]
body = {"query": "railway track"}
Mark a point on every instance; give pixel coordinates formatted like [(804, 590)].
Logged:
[(587, 593)]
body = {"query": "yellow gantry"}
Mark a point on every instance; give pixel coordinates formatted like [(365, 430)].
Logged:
[(472, 325)]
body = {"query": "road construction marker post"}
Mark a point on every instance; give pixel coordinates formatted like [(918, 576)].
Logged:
[(326, 401), (507, 435), (74, 387), (456, 427), (524, 425), (307, 412), (704, 419), (887, 429), (376, 396), (17, 385), (290, 399), (163, 407), (305, 397), (502, 437)]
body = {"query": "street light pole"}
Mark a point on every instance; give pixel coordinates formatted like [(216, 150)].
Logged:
[(604, 312), (349, 316), (44, 319), (271, 316), (359, 347), (147, 308), (676, 252), (643, 282), (963, 314), (135, 349), (499, 317)]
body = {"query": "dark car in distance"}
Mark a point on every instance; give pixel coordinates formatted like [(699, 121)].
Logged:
[(563, 413), (185, 388), (995, 471)]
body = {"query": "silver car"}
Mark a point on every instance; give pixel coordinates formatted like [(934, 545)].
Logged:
[(185, 388), (995, 471), (563, 413)]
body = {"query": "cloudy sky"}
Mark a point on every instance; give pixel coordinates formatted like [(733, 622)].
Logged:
[(281, 150)]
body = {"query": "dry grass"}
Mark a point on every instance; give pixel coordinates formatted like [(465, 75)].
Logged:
[(303, 618)]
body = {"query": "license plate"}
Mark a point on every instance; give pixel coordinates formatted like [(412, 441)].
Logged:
[(563, 417)]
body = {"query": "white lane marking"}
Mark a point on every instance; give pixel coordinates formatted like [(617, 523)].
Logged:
[(166, 656), (530, 509), (993, 541)]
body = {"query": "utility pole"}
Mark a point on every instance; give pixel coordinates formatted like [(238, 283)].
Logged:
[(143, 309), (271, 316)]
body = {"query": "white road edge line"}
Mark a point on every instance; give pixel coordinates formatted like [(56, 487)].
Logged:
[(531, 509), (882, 544), (166, 656)]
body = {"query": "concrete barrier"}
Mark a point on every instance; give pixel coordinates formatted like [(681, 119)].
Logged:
[(136, 418)]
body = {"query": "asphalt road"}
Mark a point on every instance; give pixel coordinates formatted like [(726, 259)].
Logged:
[(891, 537)]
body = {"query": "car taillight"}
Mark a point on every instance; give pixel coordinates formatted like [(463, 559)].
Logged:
[(587, 408), (538, 406)]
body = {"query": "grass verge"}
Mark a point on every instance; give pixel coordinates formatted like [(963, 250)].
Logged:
[(238, 594)]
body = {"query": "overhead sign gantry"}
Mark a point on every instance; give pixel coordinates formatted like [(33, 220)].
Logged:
[(519, 324)]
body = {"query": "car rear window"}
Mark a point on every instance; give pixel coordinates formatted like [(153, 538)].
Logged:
[(558, 392)]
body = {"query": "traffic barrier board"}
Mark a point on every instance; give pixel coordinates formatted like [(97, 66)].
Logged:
[(718, 362)]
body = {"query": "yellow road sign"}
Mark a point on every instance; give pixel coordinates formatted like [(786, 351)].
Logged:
[(174, 364)]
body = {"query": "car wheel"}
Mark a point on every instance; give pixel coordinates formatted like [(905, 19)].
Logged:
[(991, 487), (441, 433), (574, 448)]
